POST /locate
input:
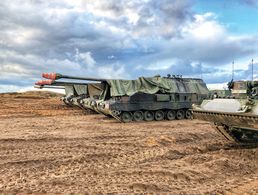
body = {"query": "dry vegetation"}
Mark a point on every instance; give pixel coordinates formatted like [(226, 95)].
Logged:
[(47, 147)]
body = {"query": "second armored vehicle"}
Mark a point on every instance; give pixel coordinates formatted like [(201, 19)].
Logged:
[(74, 92), (235, 117)]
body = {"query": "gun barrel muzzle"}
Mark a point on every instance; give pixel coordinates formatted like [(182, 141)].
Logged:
[(56, 76), (38, 86), (44, 82), (51, 76)]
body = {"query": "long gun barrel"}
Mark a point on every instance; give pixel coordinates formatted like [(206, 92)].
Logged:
[(48, 87), (57, 83), (56, 76)]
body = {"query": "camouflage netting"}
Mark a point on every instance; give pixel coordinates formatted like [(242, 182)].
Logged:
[(69, 90), (80, 89), (153, 85), (95, 89), (75, 90)]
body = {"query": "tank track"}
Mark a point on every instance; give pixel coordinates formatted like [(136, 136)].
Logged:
[(238, 127), (151, 115)]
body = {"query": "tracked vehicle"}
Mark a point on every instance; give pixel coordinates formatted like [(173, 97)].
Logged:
[(146, 98), (74, 92), (235, 117), (94, 92), (154, 98)]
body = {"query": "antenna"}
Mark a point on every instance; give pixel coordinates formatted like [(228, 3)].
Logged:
[(201, 71), (252, 69), (233, 67)]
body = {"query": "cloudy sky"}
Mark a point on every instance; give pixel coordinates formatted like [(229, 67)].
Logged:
[(127, 39)]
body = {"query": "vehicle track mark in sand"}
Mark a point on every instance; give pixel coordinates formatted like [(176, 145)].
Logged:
[(62, 150), (249, 186)]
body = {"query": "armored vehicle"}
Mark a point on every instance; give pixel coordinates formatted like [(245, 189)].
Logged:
[(94, 92), (77, 95), (154, 98), (146, 98), (235, 117), (74, 92)]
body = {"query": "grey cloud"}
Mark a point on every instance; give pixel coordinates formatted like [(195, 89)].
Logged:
[(247, 74), (215, 52), (154, 18), (187, 68), (41, 36)]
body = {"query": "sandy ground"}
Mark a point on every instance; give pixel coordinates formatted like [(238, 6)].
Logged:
[(47, 147)]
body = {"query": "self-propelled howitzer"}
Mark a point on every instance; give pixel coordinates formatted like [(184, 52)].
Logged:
[(235, 117), (146, 98), (153, 98), (94, 88), (75, 92)]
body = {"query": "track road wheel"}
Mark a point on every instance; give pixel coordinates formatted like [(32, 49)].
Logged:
[(148, 116), (126, 117), (159, 115), (188, 114), (171, 115), (180, 114), (138, 116)]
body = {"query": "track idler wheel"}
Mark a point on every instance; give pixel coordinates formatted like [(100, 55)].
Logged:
[(138, 116), (148, 116), (171, 115), (159, 115), (126, 117), (180, 114)]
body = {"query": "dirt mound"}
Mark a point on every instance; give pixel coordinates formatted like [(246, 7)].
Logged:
[(47, 147), (33, 104), (31, 95)]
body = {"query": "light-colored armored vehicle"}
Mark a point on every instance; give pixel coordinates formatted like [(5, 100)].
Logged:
[(235, 117)]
